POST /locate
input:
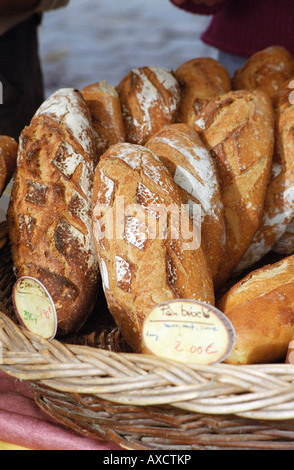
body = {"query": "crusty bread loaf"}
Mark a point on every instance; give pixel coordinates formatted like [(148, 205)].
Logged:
[(49, 214), (267, 69), (149, 98), (181, 150), (238, 129), (105, 109), (278, 208), (201, 80), (143, 261), (261, 309), (8, 156)]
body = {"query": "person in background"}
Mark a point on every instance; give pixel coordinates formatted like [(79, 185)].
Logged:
[(21, 80), (239, 28)]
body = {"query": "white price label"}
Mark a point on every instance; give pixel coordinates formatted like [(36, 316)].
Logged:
[(188, 331), (34, 307)]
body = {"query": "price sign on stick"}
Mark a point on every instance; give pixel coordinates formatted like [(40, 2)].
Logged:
[(188, 331), (34, 307)]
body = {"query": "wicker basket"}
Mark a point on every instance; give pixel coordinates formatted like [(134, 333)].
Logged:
[(94, 385)]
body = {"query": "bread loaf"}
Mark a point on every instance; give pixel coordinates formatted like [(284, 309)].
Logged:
[(238, 130), (104, 105), (201, 80), (49, 214), (144, 259), (149, 98), (190, 164), (261, 309), (267, 69), (285, 245), (278, 209), (8, 155)]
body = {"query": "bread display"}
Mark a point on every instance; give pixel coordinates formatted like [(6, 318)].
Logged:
[(261, 309), (201, 80), (104, 105), (142, 260), (8, 156), (190, 164), (278, 209), (105, 187), (149, 98), (267, 70), (49, 214), (238, 129)]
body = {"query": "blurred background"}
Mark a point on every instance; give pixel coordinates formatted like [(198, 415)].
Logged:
[(92, 40)]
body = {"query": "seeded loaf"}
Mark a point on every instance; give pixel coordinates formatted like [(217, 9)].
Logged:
[(238, 129), (49, 215), (201, 80), (143, 261), (190, 164), (149, 98)]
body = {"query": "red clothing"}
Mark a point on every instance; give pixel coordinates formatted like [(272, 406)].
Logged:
[(243, 27)]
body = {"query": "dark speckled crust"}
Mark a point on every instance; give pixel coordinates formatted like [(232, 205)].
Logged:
[(50, 208)]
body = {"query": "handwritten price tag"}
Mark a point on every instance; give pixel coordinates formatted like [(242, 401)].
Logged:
[(34, 307), (188, 331)]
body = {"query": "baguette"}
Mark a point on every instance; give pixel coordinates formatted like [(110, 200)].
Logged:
[(104, 106), (142, 266), (238, 129), (261, 309), (149, 98), (8, 156), (49, 214), (278, 209), (201, 80), (190, 164), (267, 69)]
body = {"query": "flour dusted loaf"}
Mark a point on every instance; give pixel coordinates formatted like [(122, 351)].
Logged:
[(267, 69), (8, 156), (261, 309), (278, 209), (201, 80), (149, 98), (190, 164), (144, 258), (104, 105), (285, 245), (238, 129), (49, 214)]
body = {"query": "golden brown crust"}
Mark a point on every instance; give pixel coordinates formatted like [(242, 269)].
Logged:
[(104, 105), (201, 80), (49, 214), (190, 164), (149, 98), (146, 263), (278, 208), (8, 155), (267, 70), (261, 309), (238, 129)]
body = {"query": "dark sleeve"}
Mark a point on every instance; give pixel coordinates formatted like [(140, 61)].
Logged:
[(190, 6)]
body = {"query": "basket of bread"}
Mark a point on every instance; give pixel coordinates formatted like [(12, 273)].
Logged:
[(147, 256)]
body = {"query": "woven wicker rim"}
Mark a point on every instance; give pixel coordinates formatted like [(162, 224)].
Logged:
[(255, 391)]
